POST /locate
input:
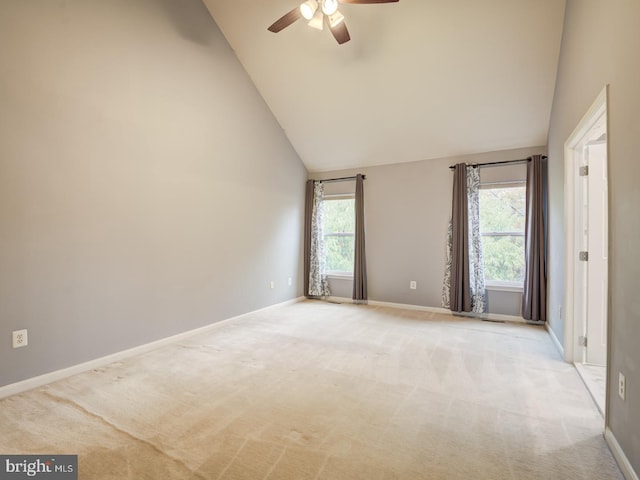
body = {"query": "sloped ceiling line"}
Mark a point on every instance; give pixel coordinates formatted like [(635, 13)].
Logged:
[(420, 79)]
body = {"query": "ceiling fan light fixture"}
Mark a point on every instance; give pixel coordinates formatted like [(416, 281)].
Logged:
[(336, 19), (317, 21), (308, 9), (329, 7)]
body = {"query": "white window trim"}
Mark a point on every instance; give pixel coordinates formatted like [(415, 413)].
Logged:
[(504, 184), (502, 234), (496, 286), (340, 276), (340, 196)]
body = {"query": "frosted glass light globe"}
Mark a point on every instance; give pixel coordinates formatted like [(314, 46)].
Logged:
[(329, 7)]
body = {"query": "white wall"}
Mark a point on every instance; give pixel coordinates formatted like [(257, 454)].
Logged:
[(145, 187)]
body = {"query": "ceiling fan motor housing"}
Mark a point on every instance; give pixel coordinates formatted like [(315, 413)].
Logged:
[(315, 12)]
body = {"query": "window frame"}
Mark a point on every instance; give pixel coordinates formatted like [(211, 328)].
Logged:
[(332, 197), (501, 285)]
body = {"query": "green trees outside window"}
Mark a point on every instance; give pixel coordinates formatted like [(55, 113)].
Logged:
[(339, 237), (502, 221)]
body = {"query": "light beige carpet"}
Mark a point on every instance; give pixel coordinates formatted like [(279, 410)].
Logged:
[(324, 391)]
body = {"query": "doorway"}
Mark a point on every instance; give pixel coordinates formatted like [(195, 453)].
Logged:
[(586, 250)]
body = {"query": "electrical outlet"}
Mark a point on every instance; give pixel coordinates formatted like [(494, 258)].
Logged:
[(622, 386), (413, 285), (272, 284), (20, 338), (289, 281)]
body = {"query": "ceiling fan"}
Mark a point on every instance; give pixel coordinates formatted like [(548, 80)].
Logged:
[(317, 11)]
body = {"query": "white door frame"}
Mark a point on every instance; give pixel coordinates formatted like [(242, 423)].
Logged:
[(573, 353)]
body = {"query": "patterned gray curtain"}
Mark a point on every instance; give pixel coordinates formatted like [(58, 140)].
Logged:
[(476, 262), (318, 283), (534, 298), (446, 285), (463, 289)]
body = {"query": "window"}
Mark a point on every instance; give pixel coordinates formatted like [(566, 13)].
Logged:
[(339, 233), (502, 221)]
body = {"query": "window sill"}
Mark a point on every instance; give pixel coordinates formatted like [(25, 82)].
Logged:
[(340, 276), (503, 287)]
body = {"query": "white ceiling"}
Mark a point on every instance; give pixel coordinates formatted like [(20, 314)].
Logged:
[(420, 79)]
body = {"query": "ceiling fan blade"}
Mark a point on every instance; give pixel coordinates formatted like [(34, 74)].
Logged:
[(368, 1), (340, 33), (286, 20)]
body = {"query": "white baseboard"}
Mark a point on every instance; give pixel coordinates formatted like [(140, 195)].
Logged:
[(40, 380), (554, 339), (621, 458), (405, 306)]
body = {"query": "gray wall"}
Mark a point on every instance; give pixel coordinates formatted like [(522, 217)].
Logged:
[(600, 46), (407, 209), (145, 187)]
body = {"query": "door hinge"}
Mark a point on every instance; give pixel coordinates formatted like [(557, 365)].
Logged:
[(582, 341), (584, 171), (583, 256)]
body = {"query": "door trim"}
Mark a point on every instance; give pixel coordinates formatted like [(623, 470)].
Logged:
[(599, 106)]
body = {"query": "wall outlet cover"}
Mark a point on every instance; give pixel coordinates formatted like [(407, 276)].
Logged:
[(20, 338)]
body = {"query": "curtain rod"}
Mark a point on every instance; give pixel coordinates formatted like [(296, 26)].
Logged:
[(342, 179), (503, 162)]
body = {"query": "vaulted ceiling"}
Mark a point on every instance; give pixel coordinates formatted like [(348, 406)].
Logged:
[(420, 79)]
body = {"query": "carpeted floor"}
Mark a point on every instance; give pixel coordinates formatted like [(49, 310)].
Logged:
[(324, 391)]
